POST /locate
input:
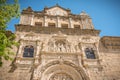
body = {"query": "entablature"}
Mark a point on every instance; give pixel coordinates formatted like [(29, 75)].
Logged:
[(89, 39), (50, 30), (110, 43)]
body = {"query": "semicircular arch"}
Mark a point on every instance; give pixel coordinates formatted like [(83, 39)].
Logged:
[(54, 67)]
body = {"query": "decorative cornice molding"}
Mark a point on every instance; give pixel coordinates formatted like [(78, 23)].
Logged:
[(49, 30)]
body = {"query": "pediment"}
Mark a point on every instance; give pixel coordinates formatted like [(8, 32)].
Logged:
[(57, 10)]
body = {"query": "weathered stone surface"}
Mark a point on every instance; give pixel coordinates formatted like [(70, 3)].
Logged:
[(64, 47)]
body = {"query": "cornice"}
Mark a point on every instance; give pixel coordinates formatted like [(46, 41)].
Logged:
[(42, 14), (29, 11), (49, 30)]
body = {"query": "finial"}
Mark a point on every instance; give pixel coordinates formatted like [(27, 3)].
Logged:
[(57, 4), (29, 8), (46, 7), (68, 8), (83, 13)]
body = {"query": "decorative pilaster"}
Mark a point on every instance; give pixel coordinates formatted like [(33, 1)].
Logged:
[(58, 25), (83, 51), (45, 22), (21, 19), (19, 54), (37, 53), (32, 20), (20, 49), (79, 59), (97, 50), (70, 23)]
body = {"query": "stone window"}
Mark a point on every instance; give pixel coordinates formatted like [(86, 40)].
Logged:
[(28, 51), (38, 23), (77, 26), (51, 24), (90, 53), (64, 25)]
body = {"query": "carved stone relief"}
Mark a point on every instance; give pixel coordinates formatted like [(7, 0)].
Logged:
[(59, 46), (61, 75)]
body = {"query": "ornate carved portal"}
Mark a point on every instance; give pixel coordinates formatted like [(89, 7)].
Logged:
[(60, 70), (60, 76)]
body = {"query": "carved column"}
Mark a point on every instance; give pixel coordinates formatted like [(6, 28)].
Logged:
[(57, 22), (45, 22)]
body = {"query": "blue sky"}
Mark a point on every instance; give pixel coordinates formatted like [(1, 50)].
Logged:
[(105, 14)]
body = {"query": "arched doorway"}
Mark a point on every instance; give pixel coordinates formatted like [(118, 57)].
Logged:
[(57, 70)]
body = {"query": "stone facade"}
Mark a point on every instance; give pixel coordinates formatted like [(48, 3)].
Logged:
[(58, 45)]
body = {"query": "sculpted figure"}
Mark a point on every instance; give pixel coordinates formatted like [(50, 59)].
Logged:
[(73, 48), (40, 45), (63, 47), (50, 46), (45, 47), (68, 48)]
